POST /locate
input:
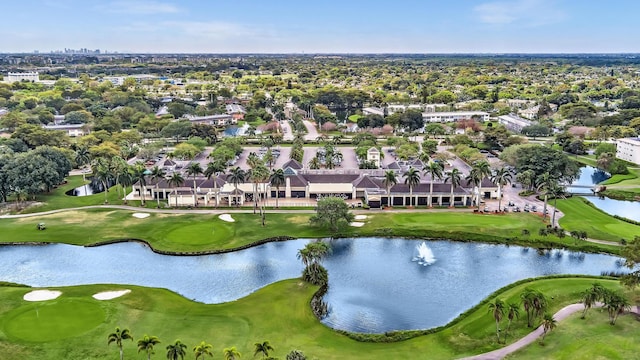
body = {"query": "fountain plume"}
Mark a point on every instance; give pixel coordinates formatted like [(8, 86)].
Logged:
[(425, 255)]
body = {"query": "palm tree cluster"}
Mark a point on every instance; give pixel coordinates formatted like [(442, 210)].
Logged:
[(177, 350), (499, 309), (534, 303), (479, 171), (614, 302), (311, 256)]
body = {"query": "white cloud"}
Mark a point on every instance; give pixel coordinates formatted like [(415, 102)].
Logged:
[(139, 7), (529, 13)]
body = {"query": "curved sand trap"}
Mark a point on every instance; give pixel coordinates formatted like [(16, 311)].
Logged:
[(356, 224), (226, 217), (141, 215), (360, 217), (108, 295), (41, 295)]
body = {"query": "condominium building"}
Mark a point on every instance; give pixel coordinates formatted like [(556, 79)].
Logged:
[(629, 150), (454, 116), (25, 76)]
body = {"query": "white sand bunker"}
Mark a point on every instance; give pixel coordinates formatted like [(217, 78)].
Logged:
[(141, 215), (226, 217), (108, 295), (356, 224), (360, 217), (41, 295)]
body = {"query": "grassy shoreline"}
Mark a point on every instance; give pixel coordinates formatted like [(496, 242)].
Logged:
[(285, 320)]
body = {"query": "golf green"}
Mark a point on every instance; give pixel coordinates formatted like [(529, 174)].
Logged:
[(54, 319)]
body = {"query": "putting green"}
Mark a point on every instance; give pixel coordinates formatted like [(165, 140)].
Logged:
[(53, 320)]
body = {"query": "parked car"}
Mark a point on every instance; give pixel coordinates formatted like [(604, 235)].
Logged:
[(534, 208)]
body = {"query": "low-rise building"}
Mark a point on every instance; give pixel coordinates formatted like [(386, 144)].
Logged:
[(450, 116), (513, 122), (213, 120), (25, 76), (629, 150), (372, 111), (236, 110), (72, 130)]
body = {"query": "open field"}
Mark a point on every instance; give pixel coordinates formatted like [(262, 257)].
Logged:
[(285, 319)]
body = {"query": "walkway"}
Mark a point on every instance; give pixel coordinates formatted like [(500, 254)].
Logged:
[(534, 335)]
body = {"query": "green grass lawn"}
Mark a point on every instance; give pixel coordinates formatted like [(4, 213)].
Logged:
[(279, 313), (200, 232), (597, 224), (586, 339)]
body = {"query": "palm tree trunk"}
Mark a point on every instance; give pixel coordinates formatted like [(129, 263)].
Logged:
[(498, 330), (431, 194), (500, 198), (479, 193), (125, 195), (277, 196), (410, 196), (215, 187), (195, 194), (255, 197), (142, 191), (106, 200), (451, 202), (157, 195), (553, 221), (544, 208)]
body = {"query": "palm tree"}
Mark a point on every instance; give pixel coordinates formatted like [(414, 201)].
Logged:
[(311, 255), (203, 349), (231, 353), (157, 173), (176, 350), (140, 176), (513, 312), (527, 297), (434, 169), (591, 296), (118, 167), (411, 178), (501, 177), (194, 169), (103, 174), (497, 310), (455, 177), (314, 163), (174, 181), (616, 304), (262, 348), (117, 337), (277, 179), (545, 183), (548, 323), (479, 171), (555, 191), (126, 179), (147, 343), (390, 179), (475, 179), (213, 169), (82, 157), (236, 177)]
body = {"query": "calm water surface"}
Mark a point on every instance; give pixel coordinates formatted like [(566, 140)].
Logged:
[(374, 286)]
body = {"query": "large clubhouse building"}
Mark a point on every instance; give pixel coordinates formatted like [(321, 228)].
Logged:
[(361, 185)]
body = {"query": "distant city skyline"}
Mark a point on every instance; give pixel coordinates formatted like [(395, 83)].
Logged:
[(330, 26)]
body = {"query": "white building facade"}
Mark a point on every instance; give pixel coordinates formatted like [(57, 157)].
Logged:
[(629, 150), (26, 76), (454, 116)]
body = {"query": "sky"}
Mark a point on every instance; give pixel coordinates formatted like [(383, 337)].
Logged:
[(327, 26)]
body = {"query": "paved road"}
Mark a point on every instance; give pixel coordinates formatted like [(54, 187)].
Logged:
[(312, 132), (532, 336), (287, 132)]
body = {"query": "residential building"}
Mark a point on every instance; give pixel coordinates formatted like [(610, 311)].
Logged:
[(214, 120), (72, 130), (513, 122), (236, 110), (373, 111), (450, 116), (25, 76), (629, 150)]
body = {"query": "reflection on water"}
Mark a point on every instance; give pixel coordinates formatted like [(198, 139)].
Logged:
[(373, 284)]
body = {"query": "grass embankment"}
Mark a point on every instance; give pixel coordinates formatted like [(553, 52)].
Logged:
[(279, 313), (597, 224), (198, 232)]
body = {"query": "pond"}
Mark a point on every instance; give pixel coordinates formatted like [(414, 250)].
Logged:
[(591, 176), (374, 286), (93, 187)]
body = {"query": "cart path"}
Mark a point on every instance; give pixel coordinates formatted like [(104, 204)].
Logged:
[(534, 335)]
